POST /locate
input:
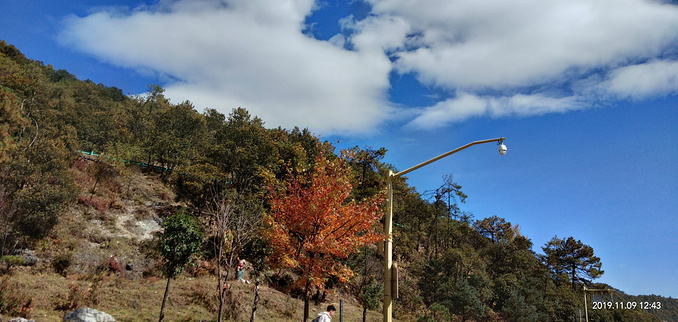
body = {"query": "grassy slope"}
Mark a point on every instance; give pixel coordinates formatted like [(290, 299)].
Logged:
[(191, 299), (91, 236)]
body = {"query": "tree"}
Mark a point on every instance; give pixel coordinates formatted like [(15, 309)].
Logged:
[(179, 135), (102, 172), (571, 257), (496, 228), (370, 296), (458, 281), (7, 211), (413, 213), (257, 251), (234, 223), (296, 150), (453, 191), (450, 209), (143, 116), (180, 242), (436, 313), (38, 186), (120, 154), (518, 310), (366, 166), (512, 266), (244, 150), (11, 121), (313, 224), (89, 109)]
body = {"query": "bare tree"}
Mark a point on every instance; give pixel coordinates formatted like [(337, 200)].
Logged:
[(235, 220)]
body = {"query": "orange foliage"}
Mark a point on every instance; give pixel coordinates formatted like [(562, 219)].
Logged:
[(313, 224)]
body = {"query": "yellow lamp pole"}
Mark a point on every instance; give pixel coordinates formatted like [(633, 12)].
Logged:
[(388, 246)]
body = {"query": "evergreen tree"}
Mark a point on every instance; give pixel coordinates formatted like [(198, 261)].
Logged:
[(573, 259)]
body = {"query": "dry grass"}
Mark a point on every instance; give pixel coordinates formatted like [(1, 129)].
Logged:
[(190, 299), (124, 299)]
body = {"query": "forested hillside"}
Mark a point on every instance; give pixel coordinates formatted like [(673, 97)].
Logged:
[(307, 218)]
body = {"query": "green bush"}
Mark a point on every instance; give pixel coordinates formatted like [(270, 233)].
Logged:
[(11, 261), (437, 313), (370, 295)]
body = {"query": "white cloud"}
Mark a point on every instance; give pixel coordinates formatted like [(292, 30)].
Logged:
[(498, 56), (516, 49), (654, 78), (533, 104), (245, 53), (448, 111), (338, 40), (500, 44), (377, 34), (466, 105)]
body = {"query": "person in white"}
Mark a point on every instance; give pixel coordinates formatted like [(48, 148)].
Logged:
[(326, 316)]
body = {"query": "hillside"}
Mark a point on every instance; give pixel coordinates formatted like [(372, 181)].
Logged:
[(82, 229), (99, 256)]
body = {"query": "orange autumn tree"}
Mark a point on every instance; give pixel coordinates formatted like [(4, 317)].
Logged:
[(313, 224)]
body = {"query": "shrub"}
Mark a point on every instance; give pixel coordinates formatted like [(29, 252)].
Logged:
[(437, 313), (12, 260), (370, 295), (112, 265), (78, 297), (203, 295), (62, 262), (13, 301), (282, 282), (153, 270), (94, 201)]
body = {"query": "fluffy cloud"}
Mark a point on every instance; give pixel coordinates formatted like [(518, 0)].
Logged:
[(586, 49), (654, 78), (494, 58), (466, 105), (505, 44), (253, 54)]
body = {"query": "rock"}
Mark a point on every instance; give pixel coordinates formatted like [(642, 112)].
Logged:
[(19, 320), (29, 258), (88, 315)]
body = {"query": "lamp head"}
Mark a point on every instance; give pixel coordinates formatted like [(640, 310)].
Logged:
[(502, 148)]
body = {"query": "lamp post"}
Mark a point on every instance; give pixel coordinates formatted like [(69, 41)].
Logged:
[(388, 246)]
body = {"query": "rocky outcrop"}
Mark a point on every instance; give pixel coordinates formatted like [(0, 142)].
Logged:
[(88, 315), (29, 258)]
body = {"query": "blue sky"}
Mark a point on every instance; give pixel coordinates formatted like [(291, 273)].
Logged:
[(586, 93)]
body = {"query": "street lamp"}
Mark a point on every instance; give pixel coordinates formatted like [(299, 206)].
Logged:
[(388, 247)]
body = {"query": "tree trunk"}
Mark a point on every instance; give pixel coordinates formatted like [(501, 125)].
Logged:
[(93, 190), (306, 299), (256, 300), (222, 291), (574, 272), (164, 301), (231, 254), (129, 186), (436, 219), (363, 282), (220, 281), (219, 249)]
